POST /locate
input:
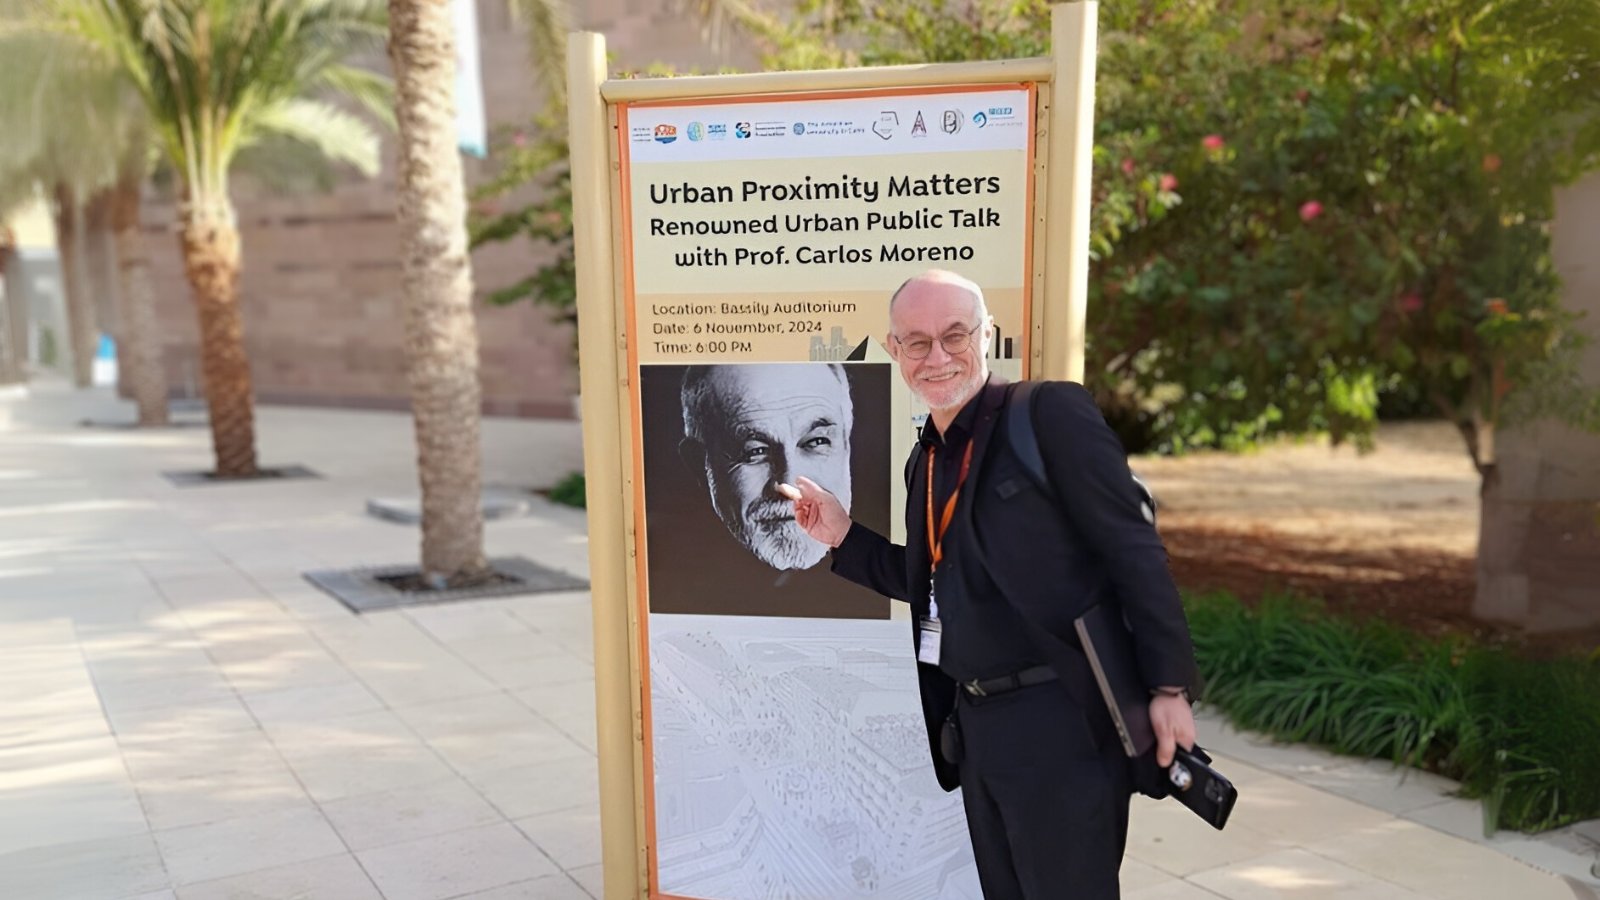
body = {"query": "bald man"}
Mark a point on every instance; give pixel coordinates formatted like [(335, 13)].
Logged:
[(996, 568)]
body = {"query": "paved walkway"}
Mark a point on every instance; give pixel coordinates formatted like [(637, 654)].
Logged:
[(183, 718)]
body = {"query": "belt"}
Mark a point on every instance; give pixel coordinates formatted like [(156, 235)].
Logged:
[(986, 687)]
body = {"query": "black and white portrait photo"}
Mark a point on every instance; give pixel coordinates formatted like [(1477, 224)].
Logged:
[(718, 440)]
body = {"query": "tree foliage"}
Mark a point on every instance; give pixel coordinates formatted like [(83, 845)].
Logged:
[(1299, 205)]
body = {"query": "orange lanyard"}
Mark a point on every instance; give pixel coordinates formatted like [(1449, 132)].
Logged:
[(936, 537)]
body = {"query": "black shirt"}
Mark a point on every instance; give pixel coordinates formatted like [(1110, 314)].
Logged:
[(982, 636)]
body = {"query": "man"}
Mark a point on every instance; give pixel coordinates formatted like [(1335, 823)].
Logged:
[(996, 568), (750, 428), (743, 430)]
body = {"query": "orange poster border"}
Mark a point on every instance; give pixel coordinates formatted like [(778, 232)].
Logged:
[(635, 398)]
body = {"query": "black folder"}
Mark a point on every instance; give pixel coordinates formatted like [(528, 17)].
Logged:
[(1109, 646)]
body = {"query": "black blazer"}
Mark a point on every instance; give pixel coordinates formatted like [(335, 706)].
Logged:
[(1053, 559)]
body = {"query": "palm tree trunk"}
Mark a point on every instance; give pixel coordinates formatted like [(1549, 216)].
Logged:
[(436, 281), (11, 368), (209, 235), (100, 263), (139, 355), (80, 310), (16, 315)]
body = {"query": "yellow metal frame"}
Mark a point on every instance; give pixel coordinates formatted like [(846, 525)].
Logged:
[(1063, 149)]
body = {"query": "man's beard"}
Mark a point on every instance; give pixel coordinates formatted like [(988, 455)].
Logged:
[(768, 530), (951, 394), (781, 545)]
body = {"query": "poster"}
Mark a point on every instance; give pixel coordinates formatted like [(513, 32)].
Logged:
[(763, 238)]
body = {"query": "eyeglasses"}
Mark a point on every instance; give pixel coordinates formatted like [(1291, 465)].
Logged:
[(953, 342)]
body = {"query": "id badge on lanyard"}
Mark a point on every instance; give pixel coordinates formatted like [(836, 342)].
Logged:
[(930, 630)]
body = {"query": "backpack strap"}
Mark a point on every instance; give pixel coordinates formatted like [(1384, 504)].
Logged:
[(1024, 442), (1025, 446), (913, 462)]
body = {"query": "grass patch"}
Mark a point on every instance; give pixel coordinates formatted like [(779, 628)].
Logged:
[(1522, 734), (570, 491)]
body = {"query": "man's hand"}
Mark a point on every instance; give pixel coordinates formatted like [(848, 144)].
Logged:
[(820, 514), (1173, 722)]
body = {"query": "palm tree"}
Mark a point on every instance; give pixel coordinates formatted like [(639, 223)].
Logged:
[(436, 283), (217, 77), (441, 331), (66, 207), (140, 349), (56, 98), (49, 101)]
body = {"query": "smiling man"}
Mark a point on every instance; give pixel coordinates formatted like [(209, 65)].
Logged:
[(996, 567)]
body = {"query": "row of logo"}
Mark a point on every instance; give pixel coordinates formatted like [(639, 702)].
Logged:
[(885, 126)]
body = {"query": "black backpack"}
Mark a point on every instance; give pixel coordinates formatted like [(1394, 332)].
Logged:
[(1025, 444)]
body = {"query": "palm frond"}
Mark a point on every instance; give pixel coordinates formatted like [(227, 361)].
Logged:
[(372, 91), (547, 22), (63, 114), (720, 19), (216, 76), (339, 135)]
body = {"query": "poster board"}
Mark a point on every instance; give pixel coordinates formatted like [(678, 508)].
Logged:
[(739, 238)]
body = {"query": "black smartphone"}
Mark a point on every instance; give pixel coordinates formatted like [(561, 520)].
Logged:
[(1201, 788)]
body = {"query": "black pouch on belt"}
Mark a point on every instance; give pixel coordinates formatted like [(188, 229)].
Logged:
[(950, 746)]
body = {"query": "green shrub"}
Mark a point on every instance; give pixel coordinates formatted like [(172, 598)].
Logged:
[(1523, 734), (570, 491)]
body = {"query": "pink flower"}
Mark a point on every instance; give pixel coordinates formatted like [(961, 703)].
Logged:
[(1213, 142), (1310, 210), (1491, 163), (1127, 166), (519, 139), (1169, 183), (1411, 303)]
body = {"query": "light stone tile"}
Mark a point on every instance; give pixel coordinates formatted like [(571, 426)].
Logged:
[(550, 887), (1439, 865), (45, 814), (103, 869), (1168, 837), (592, 878), (450, 865), (452, 680), (1136, 876), (320, 703), (196, 753), (333, 772), (1459, 817), (1291, 813), (246, 844), (460, 621), (180, 802), (541, 788), (175, 723), (410, 813), (1300, 875), (1171, 890), (570, 837), (1381, 785), (189, 689), (329, 878)]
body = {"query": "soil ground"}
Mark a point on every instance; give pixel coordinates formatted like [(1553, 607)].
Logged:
[(1392, 533)]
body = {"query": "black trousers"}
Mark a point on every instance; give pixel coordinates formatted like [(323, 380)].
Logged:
[(1046, 797)]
